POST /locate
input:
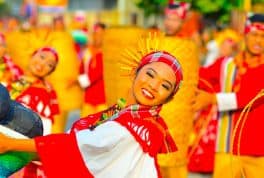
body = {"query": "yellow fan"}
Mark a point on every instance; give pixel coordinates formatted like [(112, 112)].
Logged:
[(21, 45)]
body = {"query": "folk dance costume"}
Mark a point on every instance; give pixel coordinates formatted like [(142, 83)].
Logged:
[(241, 89), (124, 146), (178, 114), (201, 151), (38, 95), (118, 142), (237, 87), (238, 81), (19, 122), (91, 80)]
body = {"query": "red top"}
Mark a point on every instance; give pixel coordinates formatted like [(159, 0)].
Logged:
[(250, 83), (93, 68), (61, 157)]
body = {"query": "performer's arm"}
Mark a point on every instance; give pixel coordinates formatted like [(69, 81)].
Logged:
[(12, 144)]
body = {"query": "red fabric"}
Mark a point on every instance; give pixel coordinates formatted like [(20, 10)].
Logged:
[(61, 157), (154, 140), (150, 132), (202, 154), (254, 26), (93, 68), (54, 149), (86, 122), (211, 74), (144, 123), (252, 142), (178, 8), (202, 158), (252, 82), (49, 49), (15, 71), (134, 116), (40, 98), (30, 171)]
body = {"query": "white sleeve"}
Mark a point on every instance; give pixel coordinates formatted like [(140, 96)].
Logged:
[(84, 81), (226, 101), (102, 138), (47, 125), (111, 151)]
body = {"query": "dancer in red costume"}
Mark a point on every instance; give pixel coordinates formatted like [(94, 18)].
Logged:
[(91, 74), (175, 15), (236, 79), (122, 141), (33, 91)]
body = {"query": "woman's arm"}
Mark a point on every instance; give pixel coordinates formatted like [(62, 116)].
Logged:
[(13, 144)]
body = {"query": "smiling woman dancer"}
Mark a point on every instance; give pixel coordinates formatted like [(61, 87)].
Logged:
[(122, 141)]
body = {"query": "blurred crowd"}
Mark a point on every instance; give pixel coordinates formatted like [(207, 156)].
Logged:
[(59, 70)]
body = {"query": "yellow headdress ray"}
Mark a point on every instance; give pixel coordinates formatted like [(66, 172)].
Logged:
[(153, 42), (21, 45)]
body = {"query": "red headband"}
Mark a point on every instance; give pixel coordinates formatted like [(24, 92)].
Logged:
[(52, 50), (178, 8), (254, 21), (254, 26), (167, 58)]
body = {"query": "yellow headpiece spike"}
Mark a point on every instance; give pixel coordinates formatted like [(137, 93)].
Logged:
[(150, 43)]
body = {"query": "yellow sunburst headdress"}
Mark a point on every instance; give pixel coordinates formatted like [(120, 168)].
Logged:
[(154, 48), (21, 45)]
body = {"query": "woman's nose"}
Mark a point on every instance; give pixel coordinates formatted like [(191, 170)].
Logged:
[(154, 84)]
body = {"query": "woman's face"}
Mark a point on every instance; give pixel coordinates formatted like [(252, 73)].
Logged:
[(42, 63), (255, 42), (172, 24), (153, 84)]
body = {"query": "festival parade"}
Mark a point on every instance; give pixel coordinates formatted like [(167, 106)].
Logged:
[(131, 89)]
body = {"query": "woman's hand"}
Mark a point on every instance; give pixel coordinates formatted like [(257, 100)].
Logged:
[(4, 143), (203, 99)]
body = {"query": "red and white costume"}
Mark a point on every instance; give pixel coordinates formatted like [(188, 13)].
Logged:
[(40, 97), (91, 77), (236, 90), (126, 145)]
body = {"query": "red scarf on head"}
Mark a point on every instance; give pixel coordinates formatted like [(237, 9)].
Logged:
[(253, 26), (181, 9)]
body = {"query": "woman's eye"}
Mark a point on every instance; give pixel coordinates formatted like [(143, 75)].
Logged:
[(166, 86), (150, 74), (50, 66)]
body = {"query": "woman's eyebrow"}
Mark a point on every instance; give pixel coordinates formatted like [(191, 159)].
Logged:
[(167, 81), (152, 70)]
